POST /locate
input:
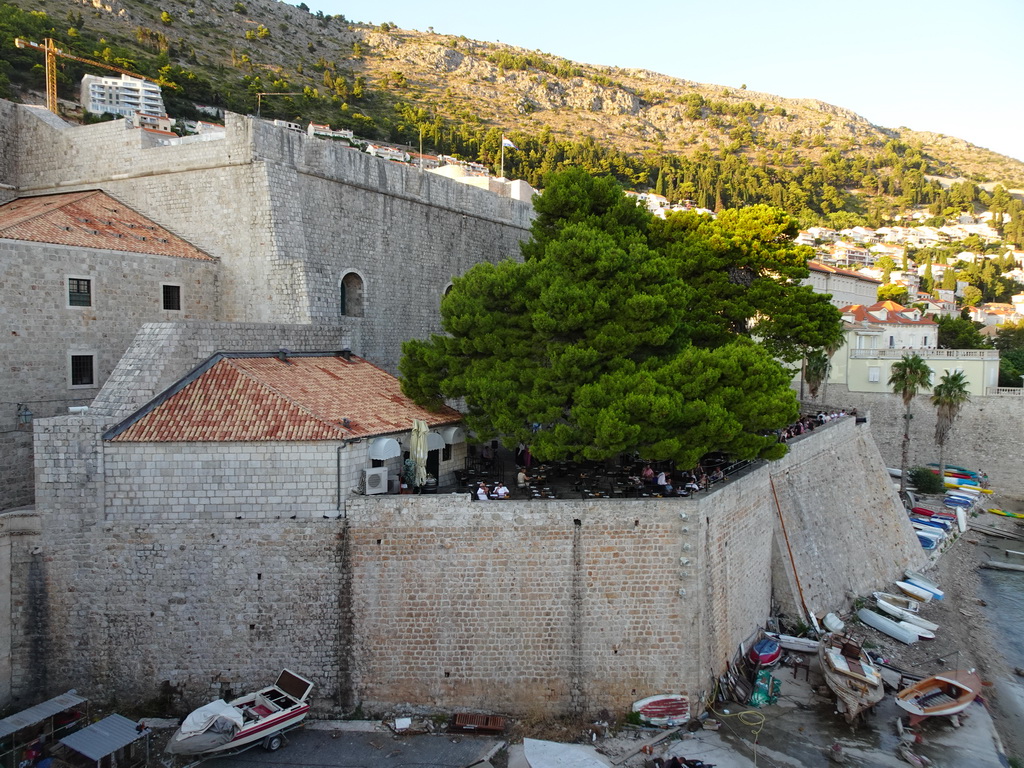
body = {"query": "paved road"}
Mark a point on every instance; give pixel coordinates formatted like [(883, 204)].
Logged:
[(378, 749)]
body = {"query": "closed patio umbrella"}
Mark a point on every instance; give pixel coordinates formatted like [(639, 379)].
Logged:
[(418, 451)]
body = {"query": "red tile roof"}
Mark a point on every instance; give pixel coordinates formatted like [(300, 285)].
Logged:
[(90, 219), (884, 312), (817, 266), (307, 397)]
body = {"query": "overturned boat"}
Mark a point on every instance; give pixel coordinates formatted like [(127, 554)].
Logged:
[(263, 717)]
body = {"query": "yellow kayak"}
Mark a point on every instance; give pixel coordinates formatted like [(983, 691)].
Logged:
[(968, 487), (1004, 513)]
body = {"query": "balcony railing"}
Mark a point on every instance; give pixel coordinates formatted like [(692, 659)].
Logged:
[(1005, 391), (927, 354)]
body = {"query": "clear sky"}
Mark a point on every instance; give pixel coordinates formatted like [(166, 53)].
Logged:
[(931, 65)]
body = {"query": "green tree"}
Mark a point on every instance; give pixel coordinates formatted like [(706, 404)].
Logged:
[(816, 368), (960, 333), (893, 292), (748, 273), (585, 349), (906, 377), (949, 396), (887, 265), (971, 296)]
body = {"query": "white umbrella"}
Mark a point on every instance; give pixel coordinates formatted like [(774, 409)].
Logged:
[(418, 451)]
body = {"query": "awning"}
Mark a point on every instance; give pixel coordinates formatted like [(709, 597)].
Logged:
[(385, 448), (453, 435), (103, 738), (38, 713), (435, 442)]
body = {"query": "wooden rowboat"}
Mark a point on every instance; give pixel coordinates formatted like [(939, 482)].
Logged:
[(908, 604), (856, 683), (944, 694)]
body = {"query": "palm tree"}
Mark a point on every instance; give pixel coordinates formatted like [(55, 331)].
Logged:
[(815, 371), (907, 377), (948, 397)]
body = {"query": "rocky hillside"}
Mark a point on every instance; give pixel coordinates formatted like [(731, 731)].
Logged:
[(459, 95)]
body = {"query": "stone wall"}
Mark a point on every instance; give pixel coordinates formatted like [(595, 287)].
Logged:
[(41, 330), (987, 435), (436, 601), (289, 215)]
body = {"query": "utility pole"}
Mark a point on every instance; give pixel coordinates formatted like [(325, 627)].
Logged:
[(259, 97)]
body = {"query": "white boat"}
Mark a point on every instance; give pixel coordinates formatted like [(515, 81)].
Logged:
[(914, 591), (921, 632), (226, 727), (793, 643), (905, 616), (888, 626), (944, 694), (925, 583), (900, 601), (961, 519), (832, 623), (928, 531), (897, 473)]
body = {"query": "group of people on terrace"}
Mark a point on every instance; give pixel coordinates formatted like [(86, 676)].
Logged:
[(808, 423)]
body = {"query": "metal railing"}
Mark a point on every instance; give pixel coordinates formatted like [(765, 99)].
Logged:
[(1005, 391)]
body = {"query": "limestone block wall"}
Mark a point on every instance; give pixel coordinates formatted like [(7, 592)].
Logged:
[(41, 331), (436, 601), (289, 216), (987, 435), (19, 540), (839, 524)]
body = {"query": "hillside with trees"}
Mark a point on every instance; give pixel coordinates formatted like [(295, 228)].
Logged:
[(714, 146)]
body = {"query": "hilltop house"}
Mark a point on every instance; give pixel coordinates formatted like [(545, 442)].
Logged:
[(846, 286)]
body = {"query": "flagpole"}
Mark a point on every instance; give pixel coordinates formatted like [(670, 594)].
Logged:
[(503, 155)]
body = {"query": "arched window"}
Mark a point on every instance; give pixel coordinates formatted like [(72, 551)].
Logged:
[(351, 295)]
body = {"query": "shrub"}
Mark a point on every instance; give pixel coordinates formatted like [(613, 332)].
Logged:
[(925, 480)]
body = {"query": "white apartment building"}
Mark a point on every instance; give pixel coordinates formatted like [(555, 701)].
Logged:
[(124, 95)]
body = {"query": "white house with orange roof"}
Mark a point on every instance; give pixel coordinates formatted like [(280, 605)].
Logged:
[(879, 335), (846, 286)]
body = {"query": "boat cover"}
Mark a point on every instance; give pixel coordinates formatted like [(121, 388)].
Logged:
[(206, 728)]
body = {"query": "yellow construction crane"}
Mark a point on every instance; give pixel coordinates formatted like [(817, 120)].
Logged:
[(50, 49)]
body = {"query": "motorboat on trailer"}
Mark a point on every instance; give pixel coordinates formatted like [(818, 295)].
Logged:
[(227, 727)]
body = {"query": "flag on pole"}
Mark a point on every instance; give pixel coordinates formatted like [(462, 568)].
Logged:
[(508, 143)]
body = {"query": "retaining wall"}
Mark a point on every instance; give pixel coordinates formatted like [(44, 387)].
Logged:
[(438, 602)]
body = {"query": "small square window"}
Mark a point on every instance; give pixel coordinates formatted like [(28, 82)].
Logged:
[(79, 292), (172, 297), (83, 373)]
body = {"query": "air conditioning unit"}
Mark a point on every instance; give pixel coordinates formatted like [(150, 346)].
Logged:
[(375, 480)]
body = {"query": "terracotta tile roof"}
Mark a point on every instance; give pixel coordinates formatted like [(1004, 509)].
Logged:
[(250, 398), (90, 219), (884, 312), (817, 266)]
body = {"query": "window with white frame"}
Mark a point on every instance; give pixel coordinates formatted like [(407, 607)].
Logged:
[(874, 373)]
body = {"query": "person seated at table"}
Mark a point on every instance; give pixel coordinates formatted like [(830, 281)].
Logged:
[(500, 491), (663, 479), (647, 475), (522, 479), (482, 492), (717, 475)]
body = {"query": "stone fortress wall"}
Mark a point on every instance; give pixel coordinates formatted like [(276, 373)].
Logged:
[(289, 216), (987, 435), (436, 601)]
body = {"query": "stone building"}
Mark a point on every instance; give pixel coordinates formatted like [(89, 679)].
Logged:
[(255, 436), (298, 231), (80, 272)]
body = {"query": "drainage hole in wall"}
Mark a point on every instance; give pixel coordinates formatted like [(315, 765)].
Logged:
[(577, 523), (636, 523), (252, 627), (259, 576), (447, 674), (379, 541)]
